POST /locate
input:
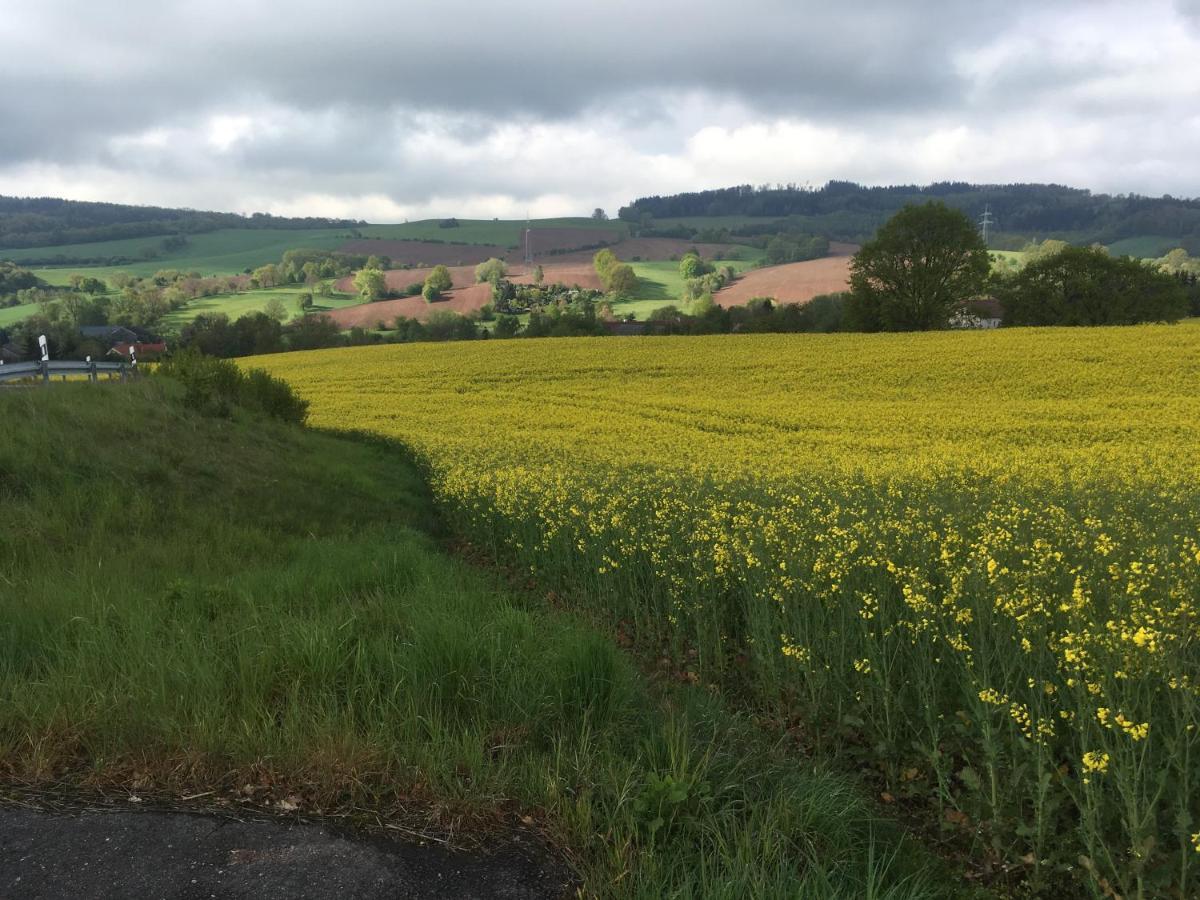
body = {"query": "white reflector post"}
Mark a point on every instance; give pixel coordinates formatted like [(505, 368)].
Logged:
[(45, 348)]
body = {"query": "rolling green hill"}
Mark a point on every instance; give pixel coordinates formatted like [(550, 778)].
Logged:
[(503, 232), (222, 252)]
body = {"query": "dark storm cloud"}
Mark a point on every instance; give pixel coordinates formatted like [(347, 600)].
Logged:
[(395, 108), (99, 68)]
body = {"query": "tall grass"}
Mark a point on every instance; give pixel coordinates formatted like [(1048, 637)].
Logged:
[(192, 604)]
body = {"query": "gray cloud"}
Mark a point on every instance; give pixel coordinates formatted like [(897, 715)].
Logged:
[(424, 102)]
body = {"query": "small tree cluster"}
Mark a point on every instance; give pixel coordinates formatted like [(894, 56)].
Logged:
[(436, 283), (616, 276), (491, 270)]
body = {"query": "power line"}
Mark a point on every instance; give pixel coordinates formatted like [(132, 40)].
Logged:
[(986, 222)]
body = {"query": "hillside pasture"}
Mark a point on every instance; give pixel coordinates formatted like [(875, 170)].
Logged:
[(545, 243), (222, 252), (244, 303), (500, 232)]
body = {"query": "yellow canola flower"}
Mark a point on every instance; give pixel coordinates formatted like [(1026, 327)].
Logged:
[(1018, 509), (1095, 761)]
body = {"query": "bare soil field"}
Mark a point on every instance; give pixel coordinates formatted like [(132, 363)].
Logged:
[(792, 282), (466, 296)]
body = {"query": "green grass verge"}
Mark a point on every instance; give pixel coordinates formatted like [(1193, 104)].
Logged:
[(193, 604)]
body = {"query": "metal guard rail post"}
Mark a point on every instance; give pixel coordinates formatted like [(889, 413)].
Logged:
[(64, 367)]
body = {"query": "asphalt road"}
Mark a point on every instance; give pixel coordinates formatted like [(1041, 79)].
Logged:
[(182, 856)]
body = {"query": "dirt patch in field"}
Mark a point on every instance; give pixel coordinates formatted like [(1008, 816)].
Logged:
[(790, 283), (466, 297)]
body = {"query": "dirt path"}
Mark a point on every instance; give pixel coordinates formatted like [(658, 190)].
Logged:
[(183, 856)]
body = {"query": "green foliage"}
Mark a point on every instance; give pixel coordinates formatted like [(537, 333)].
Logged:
[(85, 284), (214, 386), (371, 284), (13, 278), (1081, 286), (277, 311), (604, 261), (437, 282), (507, 326), (622, 280), (491, 270), (692, 266), (789, 248), (924, 265)]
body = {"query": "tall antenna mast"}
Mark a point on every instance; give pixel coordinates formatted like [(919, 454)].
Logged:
[(528, 250), (986, 222)]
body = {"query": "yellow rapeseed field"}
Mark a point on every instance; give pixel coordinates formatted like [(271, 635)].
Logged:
[(973, 556)]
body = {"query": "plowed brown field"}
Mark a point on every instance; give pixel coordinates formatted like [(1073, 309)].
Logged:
[(793, 282)]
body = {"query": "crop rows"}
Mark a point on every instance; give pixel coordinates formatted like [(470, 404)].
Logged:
[(970, 560)]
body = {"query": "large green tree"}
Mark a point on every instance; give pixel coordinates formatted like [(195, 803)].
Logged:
[(622, 280), (922, 267), (490, 270), (1083, 286), (370, 283), (439, 280)]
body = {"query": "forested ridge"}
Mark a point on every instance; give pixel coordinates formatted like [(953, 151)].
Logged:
[(848, 211), (50, 221)]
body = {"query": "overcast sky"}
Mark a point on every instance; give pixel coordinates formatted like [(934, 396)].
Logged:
[(417, 108)]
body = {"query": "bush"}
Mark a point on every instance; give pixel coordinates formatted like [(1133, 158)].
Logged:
[(214, 386), (491, 270), (692, 266), (507, 326), (622, 279)]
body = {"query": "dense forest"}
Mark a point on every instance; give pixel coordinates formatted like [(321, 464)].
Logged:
[(843, 210), (47, 221)]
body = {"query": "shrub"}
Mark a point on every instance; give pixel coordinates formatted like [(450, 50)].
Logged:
[(491, 270), (214, 386)]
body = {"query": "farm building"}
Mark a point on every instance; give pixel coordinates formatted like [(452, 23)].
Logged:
[(109, 334), (988, 313)]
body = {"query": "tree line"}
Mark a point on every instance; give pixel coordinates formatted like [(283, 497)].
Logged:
[(50, 221), (928, 264), (844, 210)]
